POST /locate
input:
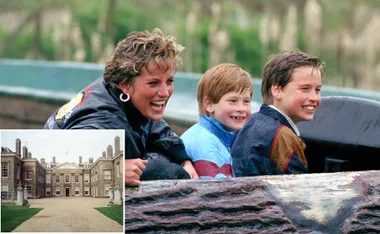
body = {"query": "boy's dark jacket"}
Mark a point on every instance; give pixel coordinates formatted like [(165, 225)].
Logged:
[(98, 107), (268, 145)]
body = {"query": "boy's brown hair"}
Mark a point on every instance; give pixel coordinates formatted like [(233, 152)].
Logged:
[(278, 71), (222, 79)]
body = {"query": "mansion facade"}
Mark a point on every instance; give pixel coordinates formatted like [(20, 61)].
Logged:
[(89, 179)]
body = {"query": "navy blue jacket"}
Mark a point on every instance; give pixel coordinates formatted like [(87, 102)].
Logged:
[(98, 107), (268, 145)]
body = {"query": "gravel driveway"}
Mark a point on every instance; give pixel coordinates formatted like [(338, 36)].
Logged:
[(69, 214)]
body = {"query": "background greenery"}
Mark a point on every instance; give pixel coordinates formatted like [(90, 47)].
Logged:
[(12, 216), (343, 33), (113, 212)]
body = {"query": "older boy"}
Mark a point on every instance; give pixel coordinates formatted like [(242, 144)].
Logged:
[(269, 143), (224, 103)]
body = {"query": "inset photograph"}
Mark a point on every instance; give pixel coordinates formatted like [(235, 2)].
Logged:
[(62, 181)]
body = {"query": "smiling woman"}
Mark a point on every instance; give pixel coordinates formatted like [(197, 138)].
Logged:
[(132, 95), (151, 90)]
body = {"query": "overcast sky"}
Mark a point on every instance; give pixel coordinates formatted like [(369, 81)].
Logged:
[(65, 145)]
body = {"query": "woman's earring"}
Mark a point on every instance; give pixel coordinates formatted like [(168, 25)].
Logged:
[(124, 99)]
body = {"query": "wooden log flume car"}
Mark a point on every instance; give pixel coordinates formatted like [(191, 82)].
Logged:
[(343, 202), (344, 137)]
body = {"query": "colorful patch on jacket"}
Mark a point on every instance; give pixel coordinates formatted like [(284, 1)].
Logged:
[(286, 144), (78, 100)]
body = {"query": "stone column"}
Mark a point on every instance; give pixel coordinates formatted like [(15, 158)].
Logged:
[(112, 195), (72, 185), (25, 193), (81, 181), (13, 195), (20, 196), (52, 181), (62, 185), (117, 200)]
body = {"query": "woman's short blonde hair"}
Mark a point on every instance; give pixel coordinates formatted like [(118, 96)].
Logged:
[(222, 79), (137, 50)]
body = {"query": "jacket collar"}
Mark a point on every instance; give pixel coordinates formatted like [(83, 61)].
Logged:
[(294, 126), (216, 128), (277, 114)]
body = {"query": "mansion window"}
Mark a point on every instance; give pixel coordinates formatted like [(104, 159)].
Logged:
[(4, 169), (86, 177), (67, 178), (57, 191), (48, 178), (76, 191), (29, 175), (86, 190), (57, 178), (29, 188), (76, 178), (4, 191), (48, 191), (106, 190), (107, 175)]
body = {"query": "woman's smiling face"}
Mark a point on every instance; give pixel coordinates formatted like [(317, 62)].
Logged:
[(151, 89)]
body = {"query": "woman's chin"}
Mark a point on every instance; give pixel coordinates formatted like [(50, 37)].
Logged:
[(155, 116)]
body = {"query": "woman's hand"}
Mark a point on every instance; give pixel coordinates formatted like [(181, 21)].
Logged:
[(133, 171), (188, 166)]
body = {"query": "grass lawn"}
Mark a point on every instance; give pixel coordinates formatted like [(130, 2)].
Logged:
[(112, 212), (12, 216)]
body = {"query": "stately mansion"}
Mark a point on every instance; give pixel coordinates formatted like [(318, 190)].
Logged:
[(85, 178)]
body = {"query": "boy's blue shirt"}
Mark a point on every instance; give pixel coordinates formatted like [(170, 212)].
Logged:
[(208, 145)]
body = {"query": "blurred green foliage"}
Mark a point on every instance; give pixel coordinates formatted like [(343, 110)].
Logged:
[(248, 50), (112, 20)]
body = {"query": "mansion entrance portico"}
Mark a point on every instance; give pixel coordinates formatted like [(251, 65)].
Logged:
[(67, 180)]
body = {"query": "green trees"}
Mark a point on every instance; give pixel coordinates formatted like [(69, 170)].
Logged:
[(213, 31)]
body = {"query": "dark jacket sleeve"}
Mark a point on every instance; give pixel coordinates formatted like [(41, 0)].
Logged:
[(162, 139), (295, 165), (281, 154), (255, 164), (287, 151)]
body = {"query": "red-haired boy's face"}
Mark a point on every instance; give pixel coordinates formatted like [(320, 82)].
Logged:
[(232, 110), (300, 98)]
